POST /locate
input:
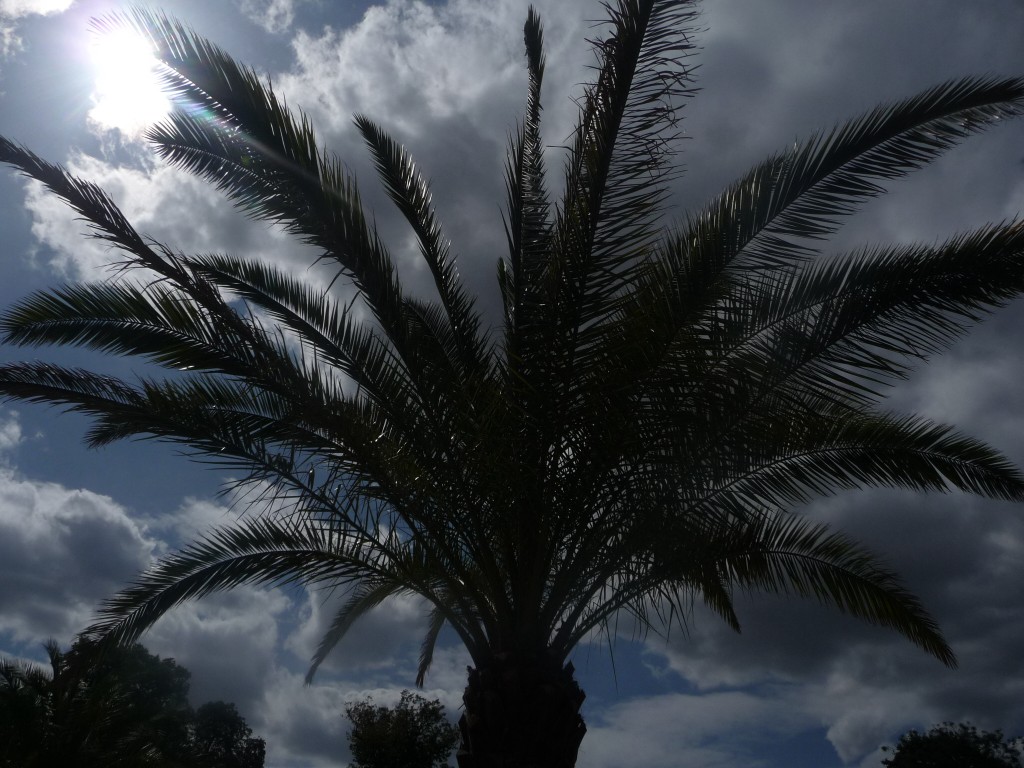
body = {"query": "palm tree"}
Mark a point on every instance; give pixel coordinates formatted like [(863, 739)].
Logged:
[(654, 407), (120, 707), (25, 709)]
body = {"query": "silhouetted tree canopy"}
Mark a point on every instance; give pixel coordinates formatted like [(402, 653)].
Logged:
[(959, 745), (123, 707), (413, 734), (222, 739)]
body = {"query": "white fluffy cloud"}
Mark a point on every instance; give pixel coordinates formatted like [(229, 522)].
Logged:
[(13, 10), (448, 81), (10, 431), (303, 723), (18, 8), (190, 519), (275, 16), (176, 208), (411, 64)]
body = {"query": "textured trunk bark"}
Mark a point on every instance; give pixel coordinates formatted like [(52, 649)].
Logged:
[(521, 712)]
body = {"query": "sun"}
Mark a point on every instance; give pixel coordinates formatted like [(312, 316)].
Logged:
[(127, 93)]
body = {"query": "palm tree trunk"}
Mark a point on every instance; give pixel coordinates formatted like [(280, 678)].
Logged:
[(521, 712)]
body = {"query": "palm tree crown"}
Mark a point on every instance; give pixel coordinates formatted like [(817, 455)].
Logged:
[(654, 404)]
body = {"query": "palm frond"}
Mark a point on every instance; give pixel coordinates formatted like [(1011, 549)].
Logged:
[(410, 193), (258, 552), (235, 132), (526, 283), (105, 220), (325, 328), (804, 193), (789, 555), (791, 463), (76, 389), (435, 624), (617, 171), (847, 326), (157, 322), (367, 595)]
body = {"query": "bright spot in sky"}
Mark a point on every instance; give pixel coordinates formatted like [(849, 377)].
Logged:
[(127, 91)]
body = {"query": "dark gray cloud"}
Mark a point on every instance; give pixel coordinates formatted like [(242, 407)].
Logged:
[(963, 557), (61, 551)]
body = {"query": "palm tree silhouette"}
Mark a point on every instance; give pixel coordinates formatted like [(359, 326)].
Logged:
[(656, 402)]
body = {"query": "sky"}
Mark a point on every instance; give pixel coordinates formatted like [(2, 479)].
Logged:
[(801, 687)]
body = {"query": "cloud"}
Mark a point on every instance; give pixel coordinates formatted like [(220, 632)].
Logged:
[(449, 82), (62, 551), (413, 64), (13, 10), (192, 518), (716, 730), (10, 432), (18, 8), (227, 640), (303, 723), (275, 16), (306, 725), (392, 630), (180, 210), (964, 557)]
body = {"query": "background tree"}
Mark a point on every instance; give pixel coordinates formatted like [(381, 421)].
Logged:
[(220, 738), (415, 733), (955, 746), (24, 712), (121, 707), (656, 404)]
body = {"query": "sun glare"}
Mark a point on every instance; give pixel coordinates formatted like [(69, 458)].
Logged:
[(127, 92)]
